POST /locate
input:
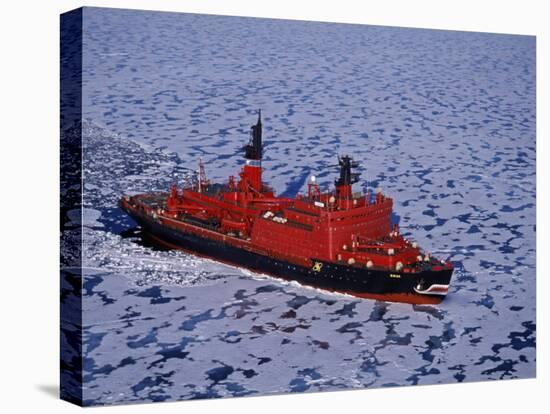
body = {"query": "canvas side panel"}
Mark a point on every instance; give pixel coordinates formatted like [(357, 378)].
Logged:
[(71, 207)]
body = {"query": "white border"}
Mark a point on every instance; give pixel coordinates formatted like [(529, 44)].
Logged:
[(29, 207)]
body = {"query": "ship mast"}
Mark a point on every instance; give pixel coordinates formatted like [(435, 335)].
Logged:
[(253, 151), (252, 171), (347, 178), (202, 180)]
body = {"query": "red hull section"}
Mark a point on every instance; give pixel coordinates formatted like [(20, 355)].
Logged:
[(409, 298)]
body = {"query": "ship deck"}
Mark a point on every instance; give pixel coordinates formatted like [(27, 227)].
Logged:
[(153, 200)]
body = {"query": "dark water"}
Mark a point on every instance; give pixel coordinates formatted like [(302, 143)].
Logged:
[(443, 121)]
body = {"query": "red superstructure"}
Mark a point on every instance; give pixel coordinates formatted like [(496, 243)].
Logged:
[(339, 240)]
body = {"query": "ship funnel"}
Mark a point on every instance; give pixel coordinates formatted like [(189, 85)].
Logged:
[(253, 151)]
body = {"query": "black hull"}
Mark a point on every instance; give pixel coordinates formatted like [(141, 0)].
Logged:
[(362, 282)]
